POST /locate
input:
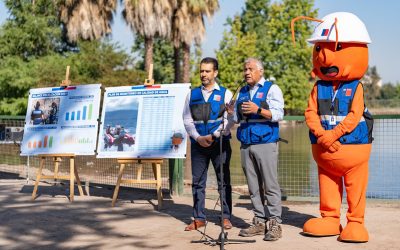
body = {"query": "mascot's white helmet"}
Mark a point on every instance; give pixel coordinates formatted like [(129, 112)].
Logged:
[(349, 27)]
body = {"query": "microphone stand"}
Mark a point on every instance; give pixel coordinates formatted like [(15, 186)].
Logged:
[(223, 236)]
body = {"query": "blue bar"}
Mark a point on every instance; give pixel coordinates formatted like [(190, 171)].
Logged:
[(84, 113), (67, 116), (72, 116), (78, 115)]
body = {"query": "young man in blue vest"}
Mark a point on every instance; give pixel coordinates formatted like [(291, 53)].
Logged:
[(204, 117), (258, 108)]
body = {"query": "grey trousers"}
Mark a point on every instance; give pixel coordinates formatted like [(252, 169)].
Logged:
[(260, 165)]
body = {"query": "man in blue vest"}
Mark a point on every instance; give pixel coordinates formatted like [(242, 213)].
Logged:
[(204, 117), (259, 107), (37, 115)]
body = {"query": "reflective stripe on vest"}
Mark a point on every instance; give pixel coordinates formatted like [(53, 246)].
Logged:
[(337, 110), (255, 129)]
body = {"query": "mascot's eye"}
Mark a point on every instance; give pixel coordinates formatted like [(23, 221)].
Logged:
[(339, 47), (318, 48)]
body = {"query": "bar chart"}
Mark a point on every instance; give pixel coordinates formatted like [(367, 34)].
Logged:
[(80, 115), (47, 142)]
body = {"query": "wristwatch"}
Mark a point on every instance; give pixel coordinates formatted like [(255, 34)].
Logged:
[(213, 137), (259, 111)]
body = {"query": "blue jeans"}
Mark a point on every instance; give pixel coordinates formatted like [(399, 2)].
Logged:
[(200, 161)]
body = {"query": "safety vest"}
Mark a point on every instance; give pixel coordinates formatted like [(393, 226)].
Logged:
[(255, 129), (207, 115), (36, 116), (331, 113)]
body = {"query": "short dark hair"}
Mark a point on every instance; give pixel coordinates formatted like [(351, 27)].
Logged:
[(211, 60)]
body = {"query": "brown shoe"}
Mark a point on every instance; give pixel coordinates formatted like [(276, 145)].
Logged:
[(195, 225), (227, 224)]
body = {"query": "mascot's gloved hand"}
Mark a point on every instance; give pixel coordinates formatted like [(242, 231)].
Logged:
[(328, 138), (334, 147)]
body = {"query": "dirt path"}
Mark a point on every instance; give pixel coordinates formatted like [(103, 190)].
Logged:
[(51, 222)]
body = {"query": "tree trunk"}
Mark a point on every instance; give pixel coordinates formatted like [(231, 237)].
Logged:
[(148, 57), (186, 63), (177, 65)]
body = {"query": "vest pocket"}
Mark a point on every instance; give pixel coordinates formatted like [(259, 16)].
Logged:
[(259, 133)]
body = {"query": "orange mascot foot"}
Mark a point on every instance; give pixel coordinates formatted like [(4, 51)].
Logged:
[(327, 226), (354, 232)]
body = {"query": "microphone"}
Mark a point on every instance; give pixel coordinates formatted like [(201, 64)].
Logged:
[(240, 84)]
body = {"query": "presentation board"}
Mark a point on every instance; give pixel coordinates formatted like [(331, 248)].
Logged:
[(62, 120), (143, 122)]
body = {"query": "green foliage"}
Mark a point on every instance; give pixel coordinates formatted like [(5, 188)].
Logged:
[(95, 62), (33, 54), (290, 65), (235, 47), (371, 81), (389, 91), (269, 25), (195, 62), (33, 29), (163, 59)]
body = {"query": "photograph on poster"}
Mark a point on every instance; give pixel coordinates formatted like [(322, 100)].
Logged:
[(120, 122), (44, 111)]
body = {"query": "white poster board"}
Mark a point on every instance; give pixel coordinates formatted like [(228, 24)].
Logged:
[(143, 122), (62, 120)]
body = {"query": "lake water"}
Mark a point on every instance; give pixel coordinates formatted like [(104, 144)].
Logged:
[(298, 171)]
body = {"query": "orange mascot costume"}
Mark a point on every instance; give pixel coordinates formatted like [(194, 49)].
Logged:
[(340, 125)]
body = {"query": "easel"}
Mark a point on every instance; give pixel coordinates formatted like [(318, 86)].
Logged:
[(57, 160), (156, 165)]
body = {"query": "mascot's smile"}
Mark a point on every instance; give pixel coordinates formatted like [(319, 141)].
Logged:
[(329, 71)]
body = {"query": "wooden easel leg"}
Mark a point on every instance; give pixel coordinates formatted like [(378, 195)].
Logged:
[(116, 190), (56, 164), (71, 180), (139, 172), (39, 174), (78, 181), (157, 175)]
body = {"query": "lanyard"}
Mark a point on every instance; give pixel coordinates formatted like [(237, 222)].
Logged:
[(333, 95)]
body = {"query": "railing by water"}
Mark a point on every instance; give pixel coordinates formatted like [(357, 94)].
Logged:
[(297, 169)]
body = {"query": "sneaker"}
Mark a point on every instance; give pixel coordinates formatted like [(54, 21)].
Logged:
[(254, 229), (274, 232)]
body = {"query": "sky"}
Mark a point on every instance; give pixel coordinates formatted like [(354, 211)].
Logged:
[(380, 18)]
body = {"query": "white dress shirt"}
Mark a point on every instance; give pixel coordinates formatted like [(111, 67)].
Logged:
[(188, 119)]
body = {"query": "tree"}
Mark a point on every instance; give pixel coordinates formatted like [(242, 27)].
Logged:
[(31, 31), (254, 18), (150, 19), (25, 65), (288, 65), (188, 27), (163, 58), (235, 47), (87, 19), (372, 82)]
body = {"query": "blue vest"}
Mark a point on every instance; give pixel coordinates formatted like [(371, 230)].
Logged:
[(338, 110), (36, 116), (207, 115), (255, 129)]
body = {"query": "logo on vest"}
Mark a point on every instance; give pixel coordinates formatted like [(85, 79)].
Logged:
[(217, 98), (347, 92), (259, 95)]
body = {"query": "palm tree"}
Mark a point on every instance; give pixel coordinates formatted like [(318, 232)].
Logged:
[(188, 27), (149, 18), (87, 19)]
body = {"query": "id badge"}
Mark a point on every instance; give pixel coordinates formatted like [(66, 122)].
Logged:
[(332, 120)]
